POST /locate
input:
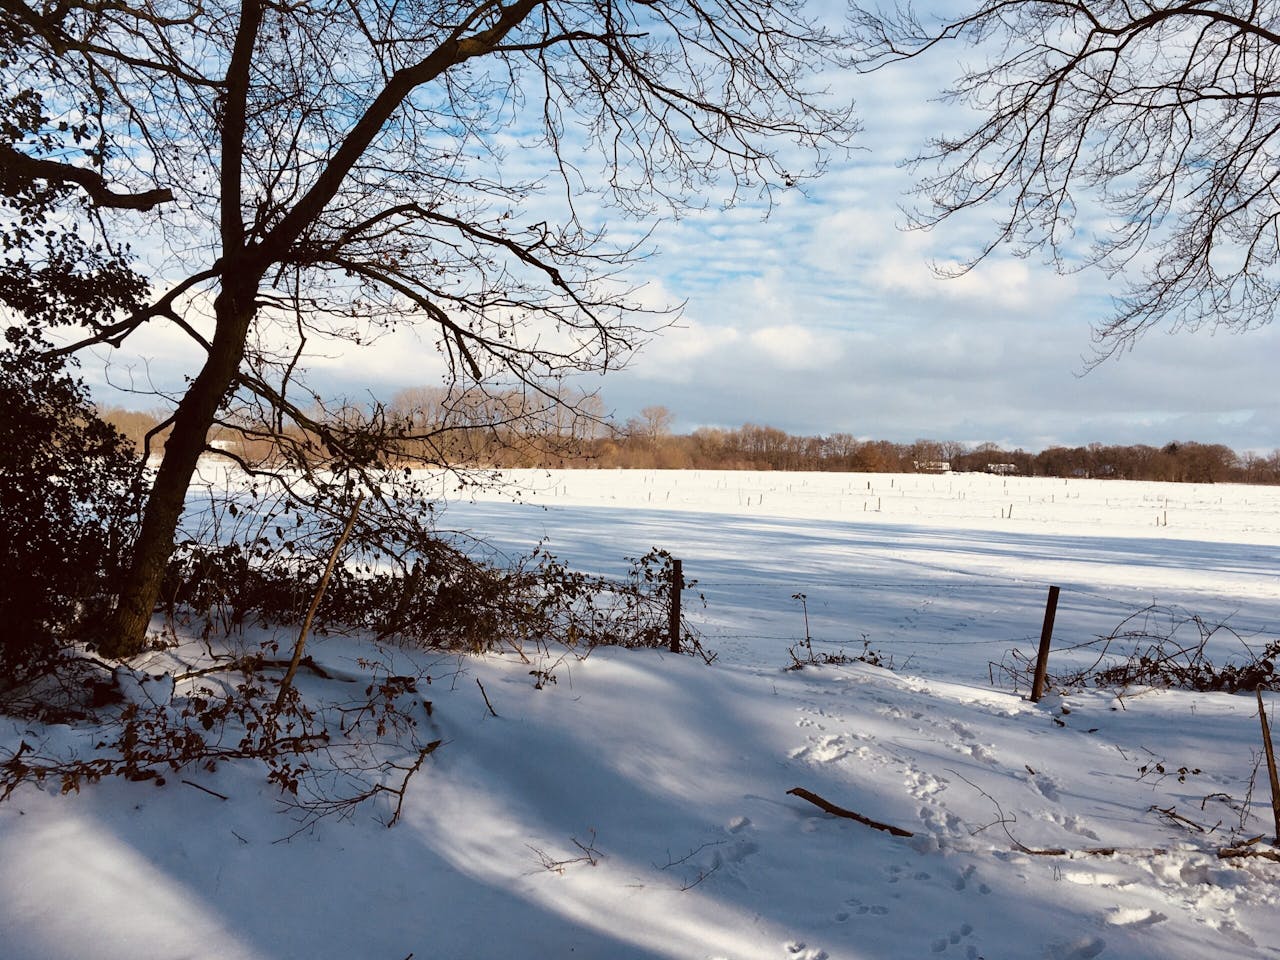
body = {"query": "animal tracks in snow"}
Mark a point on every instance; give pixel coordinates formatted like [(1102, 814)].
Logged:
[(963, 878), (796, 950), (939, 772), (955, 938), (862, 910), (826, 749)]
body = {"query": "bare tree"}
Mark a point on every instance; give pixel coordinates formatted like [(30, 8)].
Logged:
[(1152, 128), (656, 421), (315, 172)]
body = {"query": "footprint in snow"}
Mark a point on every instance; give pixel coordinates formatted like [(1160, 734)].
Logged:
[(977, 751), (942, 823), (796, 950), (827, 749), (1046, 788), (922, 785), (864, 910), (1077, 826), (1229, 929), (953, 938)]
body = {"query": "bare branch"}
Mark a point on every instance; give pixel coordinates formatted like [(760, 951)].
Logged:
[(93, 184), (1161, 118)]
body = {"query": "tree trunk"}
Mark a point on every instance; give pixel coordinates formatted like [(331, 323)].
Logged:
[(125, 633)]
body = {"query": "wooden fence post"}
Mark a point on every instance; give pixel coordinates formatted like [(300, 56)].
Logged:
[(677, 584), (1046, 635), (1271, 765)]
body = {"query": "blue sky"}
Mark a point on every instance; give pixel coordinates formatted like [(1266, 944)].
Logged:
[(825, 316)]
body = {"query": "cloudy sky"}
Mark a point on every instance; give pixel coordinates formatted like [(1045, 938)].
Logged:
[(826, 316)]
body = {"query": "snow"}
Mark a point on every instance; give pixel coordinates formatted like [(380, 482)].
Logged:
[(638, 806)]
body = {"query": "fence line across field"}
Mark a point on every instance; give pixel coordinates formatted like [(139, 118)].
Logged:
[(1070, 590), (1045, 648), (890, 641)]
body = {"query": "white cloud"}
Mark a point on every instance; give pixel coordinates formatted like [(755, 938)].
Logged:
[(794, 347), (682, 352)]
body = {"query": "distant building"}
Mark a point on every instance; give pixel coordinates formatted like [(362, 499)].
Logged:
[(1002, 468), (933, 466)]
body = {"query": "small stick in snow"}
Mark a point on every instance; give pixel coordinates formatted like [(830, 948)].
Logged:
[(486, 697), (831, 808), (212, 793)]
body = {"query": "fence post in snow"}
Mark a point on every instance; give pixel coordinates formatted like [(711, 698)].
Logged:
[(1271, 765), (1046, 635), (677, 584)]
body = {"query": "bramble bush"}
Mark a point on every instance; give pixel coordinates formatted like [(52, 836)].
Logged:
[(70, 492)]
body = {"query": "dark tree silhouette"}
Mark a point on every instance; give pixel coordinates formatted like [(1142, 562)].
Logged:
[(315, 171)]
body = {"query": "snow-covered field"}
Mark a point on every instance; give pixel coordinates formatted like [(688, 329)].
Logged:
[(638, 806)]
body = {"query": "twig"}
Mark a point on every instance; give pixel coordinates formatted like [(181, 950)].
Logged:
[(589, 849), (590, 855), (253, 663), (409, 771), (688, 856), (1004, 821), (831, 808), (1173, 814), (486, 697), (702, 875), (212, 793)]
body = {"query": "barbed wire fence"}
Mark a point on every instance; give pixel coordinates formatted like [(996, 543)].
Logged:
[(1095, 628)]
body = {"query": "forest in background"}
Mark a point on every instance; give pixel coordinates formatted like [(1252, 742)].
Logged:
[(496, 430)]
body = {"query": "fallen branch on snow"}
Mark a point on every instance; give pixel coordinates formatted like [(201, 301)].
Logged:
[(831, 808), (1229, 853)]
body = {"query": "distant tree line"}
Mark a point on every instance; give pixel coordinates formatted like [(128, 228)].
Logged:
[(497, 430)]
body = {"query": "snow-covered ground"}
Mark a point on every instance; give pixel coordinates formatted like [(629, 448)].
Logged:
[(638, 806)]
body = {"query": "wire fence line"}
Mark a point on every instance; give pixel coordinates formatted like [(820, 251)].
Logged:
[(1067, 591), (808, 587), (892, 641), (851, 584), (938, 594), (776, 595)]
